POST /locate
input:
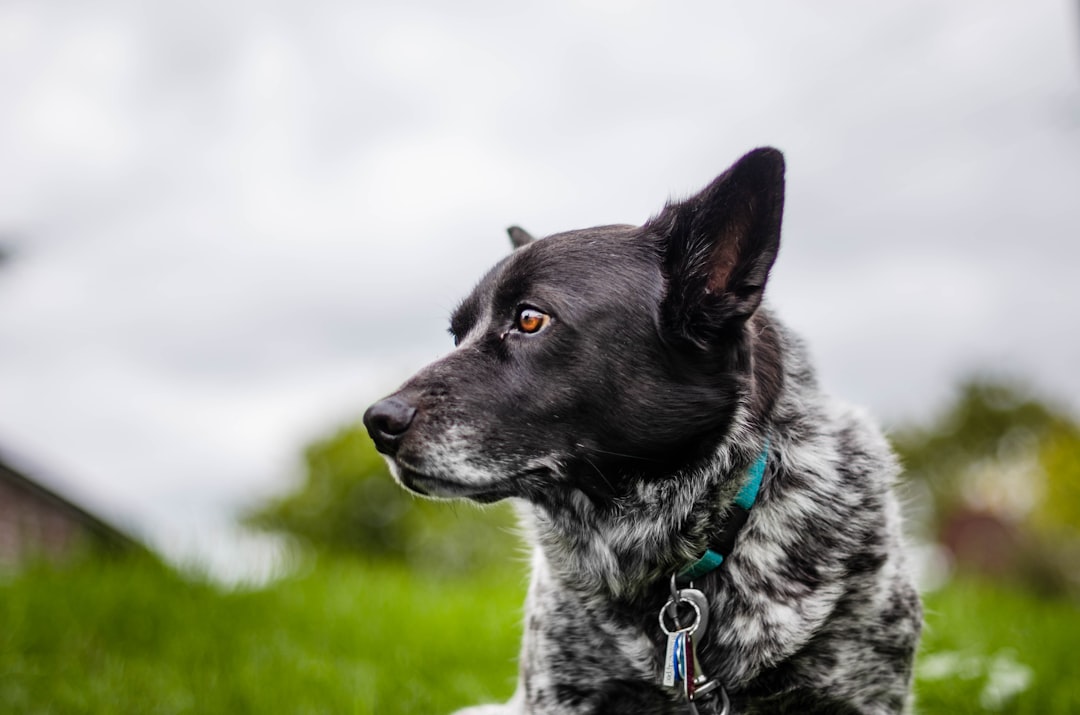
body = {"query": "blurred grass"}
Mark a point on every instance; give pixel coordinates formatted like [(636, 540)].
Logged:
[(348, 637), (345, 637), (981, 638)]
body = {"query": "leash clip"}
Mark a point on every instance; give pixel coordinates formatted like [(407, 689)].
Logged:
[(681, 662)]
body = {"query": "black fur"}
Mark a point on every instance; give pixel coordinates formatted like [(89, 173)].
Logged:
[(623, 427)]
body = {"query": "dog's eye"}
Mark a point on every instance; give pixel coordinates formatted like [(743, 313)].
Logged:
[(530, 320)]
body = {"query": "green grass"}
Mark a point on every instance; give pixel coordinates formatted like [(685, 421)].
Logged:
[(980, 639), (345, 637), (133, 637)]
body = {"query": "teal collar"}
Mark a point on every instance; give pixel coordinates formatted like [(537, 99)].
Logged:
[(721, 546)]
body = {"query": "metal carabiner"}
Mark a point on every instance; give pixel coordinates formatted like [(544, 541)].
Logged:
[(697, 601), (725, 707)]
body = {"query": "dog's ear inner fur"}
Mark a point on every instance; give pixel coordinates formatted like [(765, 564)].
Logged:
[(519, 236), (719, 245)]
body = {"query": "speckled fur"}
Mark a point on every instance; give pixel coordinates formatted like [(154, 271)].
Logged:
[(813, 612)]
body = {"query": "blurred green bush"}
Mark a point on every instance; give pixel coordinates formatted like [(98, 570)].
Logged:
[(999, 474), (349, 504)]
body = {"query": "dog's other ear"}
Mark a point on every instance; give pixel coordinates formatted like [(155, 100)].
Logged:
[(519, 236), (718, 246)]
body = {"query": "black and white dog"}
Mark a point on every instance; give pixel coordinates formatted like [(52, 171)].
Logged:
[(656, 424)]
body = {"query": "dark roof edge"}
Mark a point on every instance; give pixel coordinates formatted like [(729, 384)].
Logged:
[(109, 534)]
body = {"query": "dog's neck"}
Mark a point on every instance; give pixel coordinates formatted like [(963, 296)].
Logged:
[(623, 548)]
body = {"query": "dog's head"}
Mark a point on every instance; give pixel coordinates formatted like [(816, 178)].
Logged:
[(592, 358)]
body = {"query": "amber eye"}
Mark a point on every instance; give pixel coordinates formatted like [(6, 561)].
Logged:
[(530, 321)]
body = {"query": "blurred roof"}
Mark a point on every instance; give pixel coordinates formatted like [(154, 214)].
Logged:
[(106, 534)]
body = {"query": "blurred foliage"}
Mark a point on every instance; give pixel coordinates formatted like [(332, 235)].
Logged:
[(1059, 455), (998, 451), (348, 503), (998, 425)]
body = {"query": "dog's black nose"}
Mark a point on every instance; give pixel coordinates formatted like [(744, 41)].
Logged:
[(387, 421)]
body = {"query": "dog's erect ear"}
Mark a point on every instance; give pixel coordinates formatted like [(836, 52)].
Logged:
[(519, 236), (718, 246)]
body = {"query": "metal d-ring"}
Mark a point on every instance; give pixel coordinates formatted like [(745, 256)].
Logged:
[(679, 596), (673, 603), (697, 601), (678, 629)]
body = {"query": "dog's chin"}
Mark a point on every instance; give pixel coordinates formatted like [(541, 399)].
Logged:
[(437, 487)]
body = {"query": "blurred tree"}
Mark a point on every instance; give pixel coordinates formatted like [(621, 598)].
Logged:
[(991, 423), (1002, 468), (349, 504), (1059, 457)]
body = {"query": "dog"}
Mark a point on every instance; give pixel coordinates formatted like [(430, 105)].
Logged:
[(627, 389)]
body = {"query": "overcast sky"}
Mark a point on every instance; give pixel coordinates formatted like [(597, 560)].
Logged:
[(233, 225)]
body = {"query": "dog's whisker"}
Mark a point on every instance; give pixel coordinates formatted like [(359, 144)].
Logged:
[(620, 454), (598, 471)]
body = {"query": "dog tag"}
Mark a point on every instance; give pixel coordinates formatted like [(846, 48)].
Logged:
[(670, 666)]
